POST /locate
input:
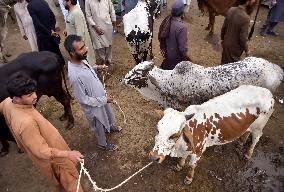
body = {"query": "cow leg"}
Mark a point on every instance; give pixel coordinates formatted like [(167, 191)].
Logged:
[(64, 99), (145, 55), (136, 58), (180, 164), (256, 131), (244, 138), (5, 148), (210, 26), (192, 164), (255, 139)]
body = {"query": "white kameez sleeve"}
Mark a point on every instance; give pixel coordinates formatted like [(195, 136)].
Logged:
[(112, 11), (89, 14), (80, 93)]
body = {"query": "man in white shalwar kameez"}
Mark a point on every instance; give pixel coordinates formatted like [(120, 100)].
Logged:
[(102, 21), (25, 23), (76, 25)]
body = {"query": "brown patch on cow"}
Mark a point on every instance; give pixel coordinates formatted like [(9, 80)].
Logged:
[(235, 125), (231, 127), (198, 134)]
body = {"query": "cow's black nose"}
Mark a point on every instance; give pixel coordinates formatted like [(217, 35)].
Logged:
[(152, 158)]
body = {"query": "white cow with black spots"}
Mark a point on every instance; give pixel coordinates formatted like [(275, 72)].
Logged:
[(189, 83), (138, 28), (216, 122)]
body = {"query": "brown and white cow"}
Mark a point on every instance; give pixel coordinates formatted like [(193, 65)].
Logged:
[(216, 122)]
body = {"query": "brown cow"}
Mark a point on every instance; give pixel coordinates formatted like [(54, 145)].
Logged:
[(218, 7)]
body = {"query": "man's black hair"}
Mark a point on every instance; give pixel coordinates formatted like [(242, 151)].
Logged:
[(68, 43), (20, 84)]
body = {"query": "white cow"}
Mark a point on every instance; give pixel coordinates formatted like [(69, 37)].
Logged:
[(138, 28), (216, 122), (190, 84)]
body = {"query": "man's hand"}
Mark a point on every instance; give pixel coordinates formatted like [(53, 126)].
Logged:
[(99, 30), (25, 37), (109, 99), (75, 156), (53, 33), (102, 67)]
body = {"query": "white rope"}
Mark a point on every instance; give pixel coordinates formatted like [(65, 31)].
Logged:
[(96, 188), (124, 117)]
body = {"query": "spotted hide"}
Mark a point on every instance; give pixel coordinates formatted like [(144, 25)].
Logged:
[(138, 28), (216, 122), (190, 84)]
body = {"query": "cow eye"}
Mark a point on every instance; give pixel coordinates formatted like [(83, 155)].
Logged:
[(174, 136)]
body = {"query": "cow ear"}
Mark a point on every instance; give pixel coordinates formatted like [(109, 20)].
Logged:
[(151, 65), (188, 117)]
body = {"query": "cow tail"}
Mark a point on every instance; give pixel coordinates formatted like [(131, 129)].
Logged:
[(252, 28), (64, 78)]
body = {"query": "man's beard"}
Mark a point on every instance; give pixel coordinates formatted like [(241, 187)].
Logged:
[(81, 57)]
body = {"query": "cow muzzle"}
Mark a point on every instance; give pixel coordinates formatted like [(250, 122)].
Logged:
[(154, 156)]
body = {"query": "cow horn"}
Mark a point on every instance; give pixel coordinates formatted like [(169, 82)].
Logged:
[(188, 117)]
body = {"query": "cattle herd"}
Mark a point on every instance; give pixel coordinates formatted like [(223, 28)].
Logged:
[(204, 106)]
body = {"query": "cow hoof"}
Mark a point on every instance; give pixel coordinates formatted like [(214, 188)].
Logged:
[(247, 156), (3, 153), (187, 181)]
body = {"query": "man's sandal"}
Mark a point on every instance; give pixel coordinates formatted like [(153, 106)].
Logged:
[(115, 129), (109, 147)]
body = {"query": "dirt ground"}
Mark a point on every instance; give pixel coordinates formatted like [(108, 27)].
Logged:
[(220, 169)]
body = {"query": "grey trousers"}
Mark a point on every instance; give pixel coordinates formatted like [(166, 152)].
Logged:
[(105, 55), (99, 131)]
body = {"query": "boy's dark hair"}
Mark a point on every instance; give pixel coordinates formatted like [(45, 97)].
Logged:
[(68, 43), (20, 84)]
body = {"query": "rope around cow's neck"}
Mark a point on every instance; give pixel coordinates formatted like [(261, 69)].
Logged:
[(96, 188)]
